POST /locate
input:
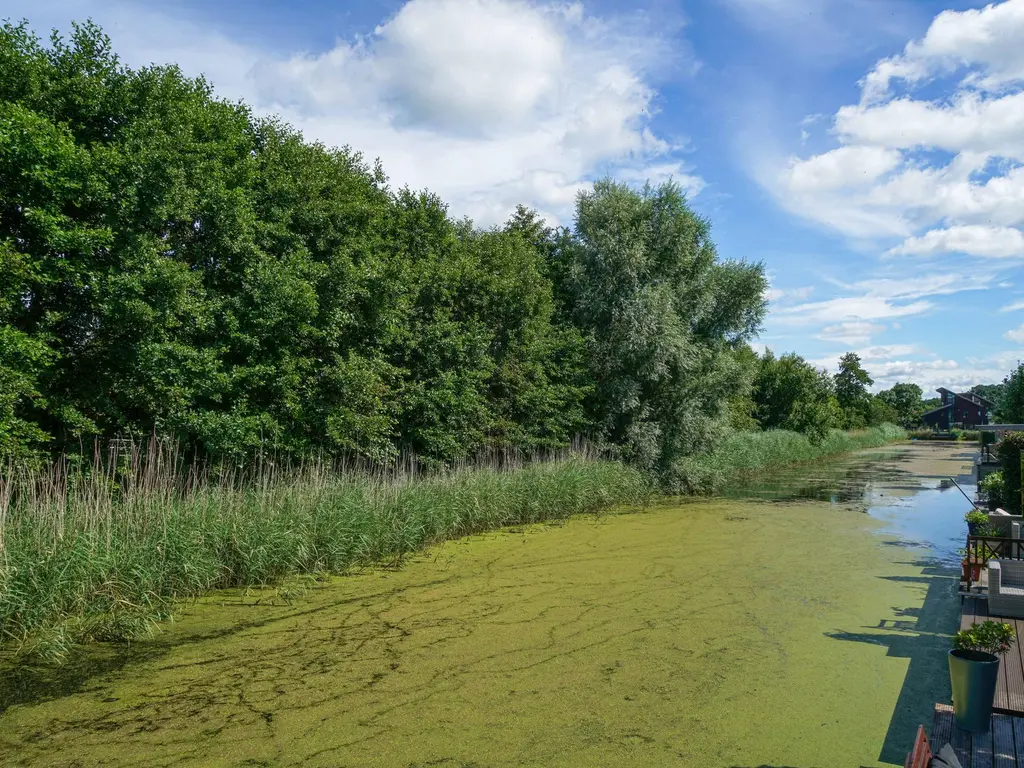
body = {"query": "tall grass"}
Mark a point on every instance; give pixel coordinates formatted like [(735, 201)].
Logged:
[(101, 553), (742, 453)]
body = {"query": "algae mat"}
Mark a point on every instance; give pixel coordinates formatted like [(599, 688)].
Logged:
[(728, 633)]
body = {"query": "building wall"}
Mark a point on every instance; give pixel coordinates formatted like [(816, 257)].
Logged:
[(967, 413), (939, 420)]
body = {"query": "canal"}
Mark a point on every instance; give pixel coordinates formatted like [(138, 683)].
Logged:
[(800, 621)]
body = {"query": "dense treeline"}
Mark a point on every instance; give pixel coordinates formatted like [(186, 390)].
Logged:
[(171, 263)]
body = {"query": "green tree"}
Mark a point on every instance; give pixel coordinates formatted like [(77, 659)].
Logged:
[(1011, 409), (661, 314), (905, 401), (790, 393), (852, 383), (168, 262)]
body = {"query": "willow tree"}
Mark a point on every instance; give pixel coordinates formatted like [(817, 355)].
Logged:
[(662, 315)]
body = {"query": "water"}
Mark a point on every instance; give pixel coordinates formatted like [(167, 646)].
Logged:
[(911, 489), (802, 622)]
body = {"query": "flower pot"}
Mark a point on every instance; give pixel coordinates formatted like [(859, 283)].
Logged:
[(972, 570), (972, 676)]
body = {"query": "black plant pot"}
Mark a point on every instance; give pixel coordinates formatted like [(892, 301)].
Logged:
[(973, 675)]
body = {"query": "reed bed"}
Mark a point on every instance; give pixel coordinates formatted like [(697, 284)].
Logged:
[(748, 453), (100, 553)]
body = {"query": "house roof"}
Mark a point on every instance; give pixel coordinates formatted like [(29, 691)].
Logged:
[(965, 395), (936, 410)]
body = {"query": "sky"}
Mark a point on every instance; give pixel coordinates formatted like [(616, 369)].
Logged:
[(870, 153)]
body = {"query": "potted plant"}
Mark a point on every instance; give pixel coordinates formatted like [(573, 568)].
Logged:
[(975, 519), (973, 671), (992, 486), (971, 566)]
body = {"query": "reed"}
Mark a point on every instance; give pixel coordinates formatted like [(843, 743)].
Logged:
[(101, 552), (747, 453)]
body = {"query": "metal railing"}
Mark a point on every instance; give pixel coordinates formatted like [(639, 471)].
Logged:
[(981, 549)]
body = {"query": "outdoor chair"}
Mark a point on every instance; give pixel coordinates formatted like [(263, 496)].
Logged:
[(1006, 588)]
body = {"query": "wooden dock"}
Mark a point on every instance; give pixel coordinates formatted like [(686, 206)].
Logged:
[(1010, 689), (1001, 747)]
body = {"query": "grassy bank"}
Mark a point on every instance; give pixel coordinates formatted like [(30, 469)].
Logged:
[(101, 555), (751, 452)]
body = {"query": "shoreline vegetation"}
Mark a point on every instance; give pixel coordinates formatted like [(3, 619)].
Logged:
[(749, 453), (103, 552), (172, 263)]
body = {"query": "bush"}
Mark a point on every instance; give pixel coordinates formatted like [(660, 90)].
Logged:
[(1009, 458), (989, 637), (994, 488), (965, 435), (976, 517)]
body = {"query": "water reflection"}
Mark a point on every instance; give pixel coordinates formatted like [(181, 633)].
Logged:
[(910, 488)]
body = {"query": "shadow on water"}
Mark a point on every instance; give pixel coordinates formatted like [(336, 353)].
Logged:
[(921, 635), (31, 684)]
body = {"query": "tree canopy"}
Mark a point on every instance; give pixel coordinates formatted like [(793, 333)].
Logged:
[(172, 263)]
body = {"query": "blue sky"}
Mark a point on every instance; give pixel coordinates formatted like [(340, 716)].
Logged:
[(869, 152)]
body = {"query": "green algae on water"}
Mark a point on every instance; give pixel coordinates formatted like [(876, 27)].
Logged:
[(725, 633)]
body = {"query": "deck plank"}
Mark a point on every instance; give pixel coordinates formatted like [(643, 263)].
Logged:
[(961, 742), (1018, 737), (942, 728), (1014, 663), (981, 749), (1003, 753)]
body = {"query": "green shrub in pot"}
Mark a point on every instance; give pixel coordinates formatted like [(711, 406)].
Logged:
[(974, 670)]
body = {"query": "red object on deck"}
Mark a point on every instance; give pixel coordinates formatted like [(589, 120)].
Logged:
[(922, 754)]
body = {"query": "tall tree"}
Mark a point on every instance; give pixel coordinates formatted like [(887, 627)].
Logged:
[(1012, 406), (852, 383), (661, 315), (905, 401), (790, 393)]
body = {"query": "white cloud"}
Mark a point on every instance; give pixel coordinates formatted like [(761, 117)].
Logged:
[(841, 167), (1014, 307), (851, 332), (774, 294), (973, 239), (988, 38), (941, 170), (881, 298), (970, 123), (1017, 334), (850, 308), (489, 103)]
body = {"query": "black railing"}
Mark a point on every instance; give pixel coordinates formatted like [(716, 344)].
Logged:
[(981, 549)]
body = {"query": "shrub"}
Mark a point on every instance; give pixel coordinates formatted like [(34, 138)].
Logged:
[(965, 435), (976, 517), (990, 637), (1009, 458), (994, 488)]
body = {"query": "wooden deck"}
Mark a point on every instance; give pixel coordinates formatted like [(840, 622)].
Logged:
[(1010, 689), (1001, 747)]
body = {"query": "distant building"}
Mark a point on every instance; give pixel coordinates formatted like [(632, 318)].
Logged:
[(959, 409)]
